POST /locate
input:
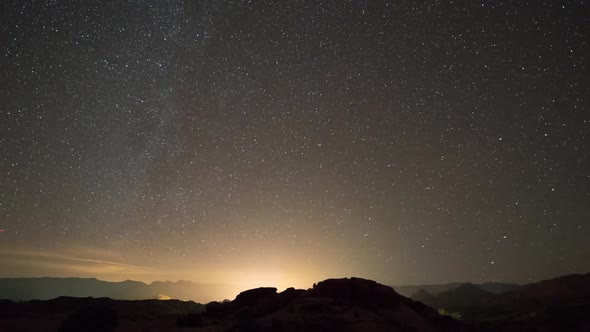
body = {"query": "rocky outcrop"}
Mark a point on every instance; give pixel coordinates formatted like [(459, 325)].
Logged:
[(357, 291), (335, 304), (256, 296)]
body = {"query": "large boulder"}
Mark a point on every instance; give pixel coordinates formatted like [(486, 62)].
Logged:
[(357, 291), (256, 296)]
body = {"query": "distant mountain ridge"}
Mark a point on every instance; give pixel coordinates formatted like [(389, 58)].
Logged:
[(45, 288), (542, 304), (457, 298), (435, 289), (473, 295)]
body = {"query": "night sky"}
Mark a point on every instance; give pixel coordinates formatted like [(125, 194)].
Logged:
[(285, 142)]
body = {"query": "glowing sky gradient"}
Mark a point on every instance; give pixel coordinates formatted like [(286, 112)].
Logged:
[(284, 142)]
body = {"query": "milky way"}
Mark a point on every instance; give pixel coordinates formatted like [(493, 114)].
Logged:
[(289, 141)]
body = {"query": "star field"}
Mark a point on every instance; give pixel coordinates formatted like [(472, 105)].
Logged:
[(288, 141)]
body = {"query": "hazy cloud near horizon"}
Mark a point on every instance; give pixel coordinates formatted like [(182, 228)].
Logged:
[(84, 262), (87, 262)]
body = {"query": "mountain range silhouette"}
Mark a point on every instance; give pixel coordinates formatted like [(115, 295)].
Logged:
[(347, 304)]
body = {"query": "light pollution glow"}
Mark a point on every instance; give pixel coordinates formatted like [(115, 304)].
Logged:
[(101, 264)]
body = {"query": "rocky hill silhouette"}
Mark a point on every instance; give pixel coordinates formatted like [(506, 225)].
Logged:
[(332, 305)]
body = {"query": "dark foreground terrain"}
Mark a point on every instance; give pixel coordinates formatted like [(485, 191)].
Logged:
[(561, 304)]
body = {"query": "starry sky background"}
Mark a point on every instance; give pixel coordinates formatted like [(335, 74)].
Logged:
[(283, 142)]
